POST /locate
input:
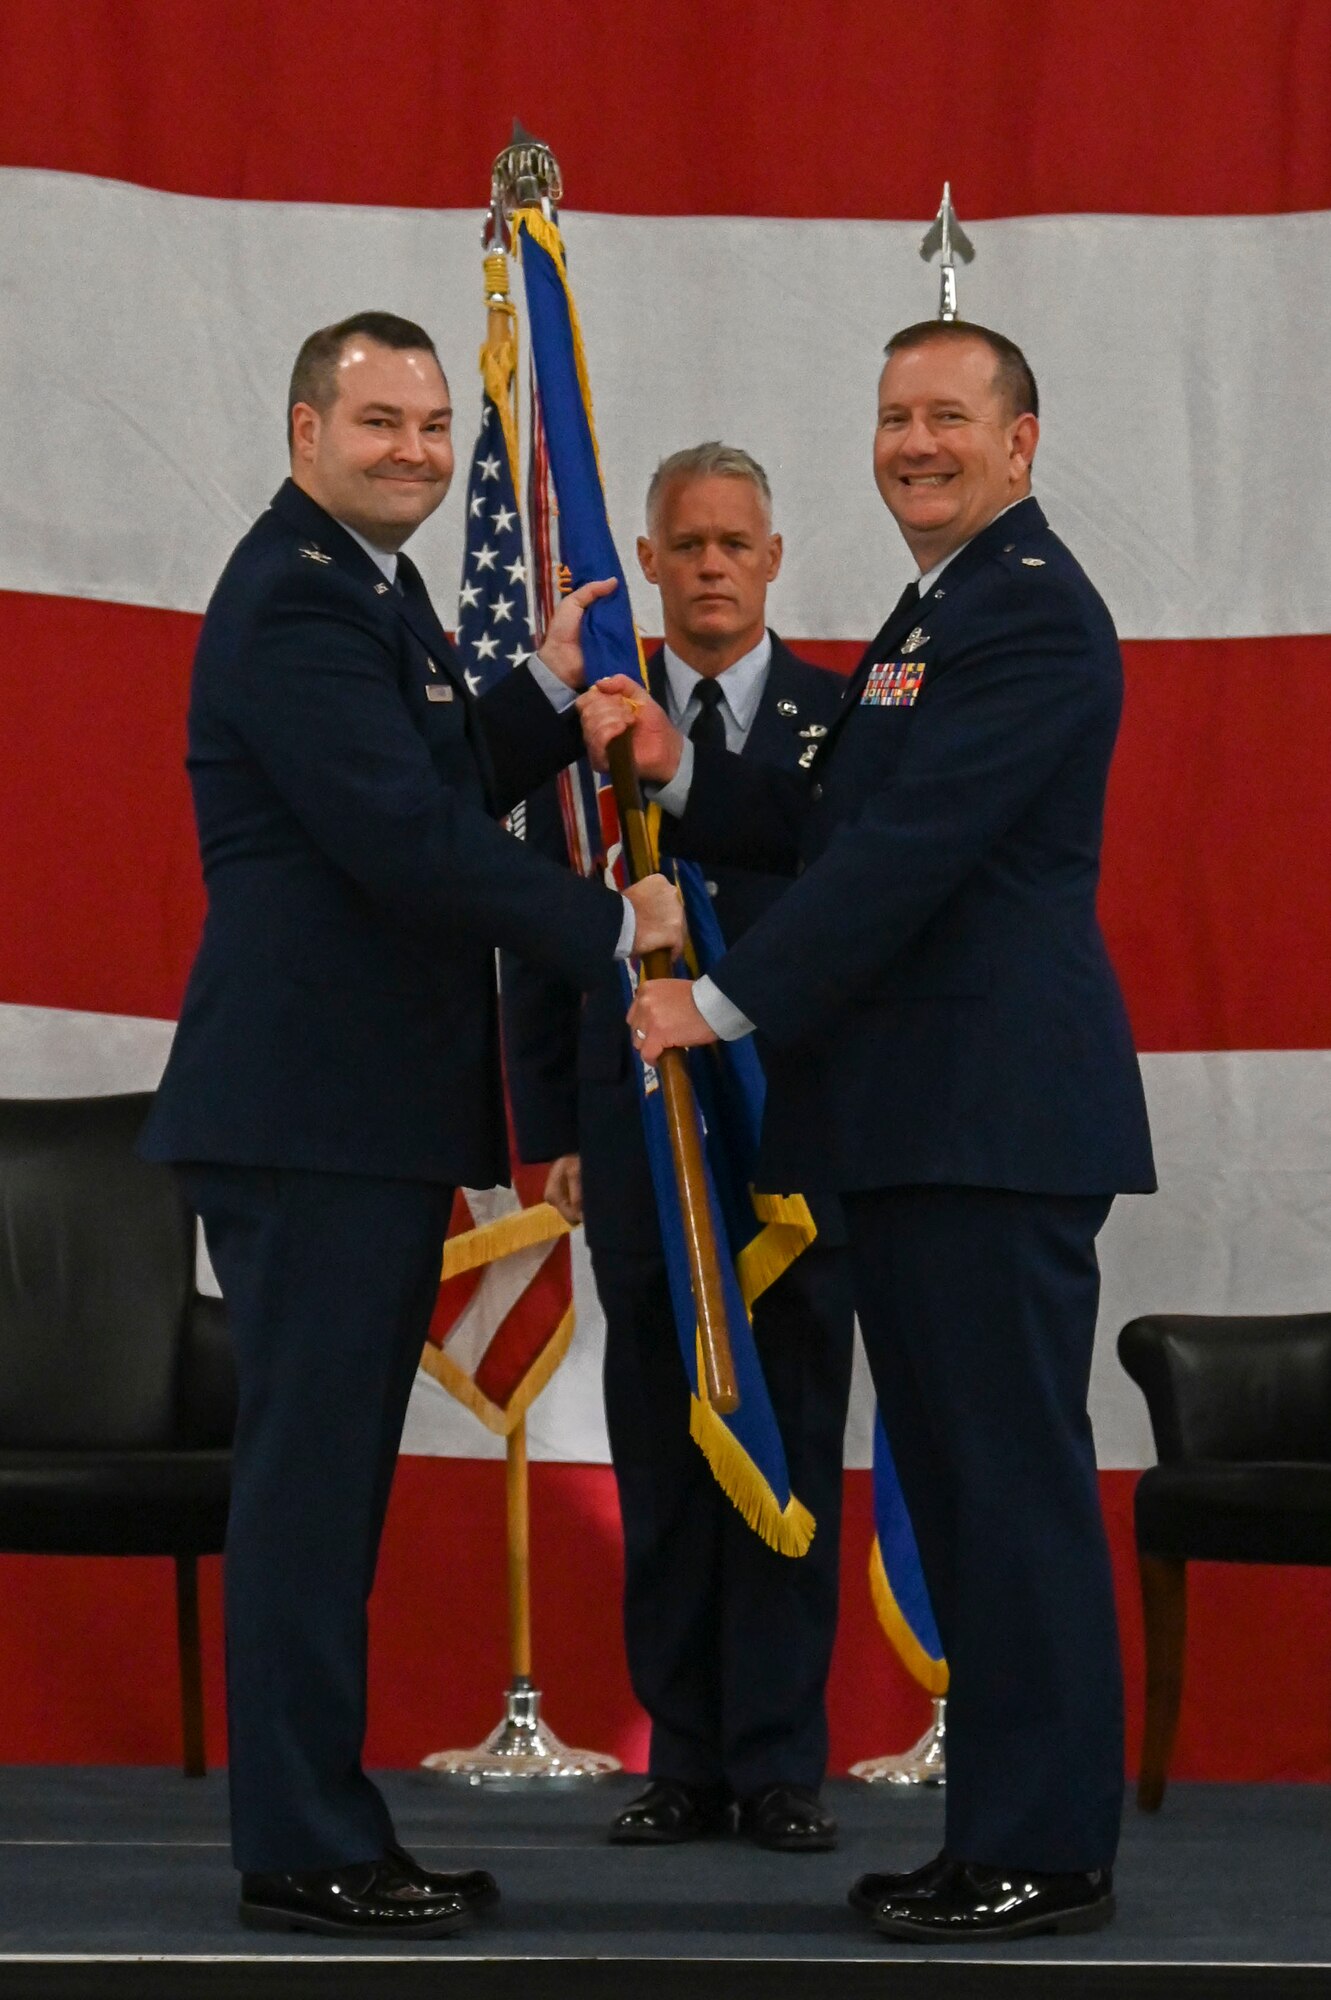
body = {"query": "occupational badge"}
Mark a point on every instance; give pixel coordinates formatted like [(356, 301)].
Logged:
[(917, 638), (315, 553)]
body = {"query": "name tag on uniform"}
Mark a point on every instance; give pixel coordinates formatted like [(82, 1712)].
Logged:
[(893, 684), (438, 691)]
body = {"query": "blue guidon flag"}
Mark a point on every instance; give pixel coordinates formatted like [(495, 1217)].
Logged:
[(764, 1233)]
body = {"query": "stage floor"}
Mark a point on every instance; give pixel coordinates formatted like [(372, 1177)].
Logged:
[(119, 1882)]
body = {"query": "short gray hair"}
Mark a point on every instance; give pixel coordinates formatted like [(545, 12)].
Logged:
[(707, 461)]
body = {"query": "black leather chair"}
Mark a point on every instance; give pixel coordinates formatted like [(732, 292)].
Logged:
[(1241, 1413), (117, 1387)]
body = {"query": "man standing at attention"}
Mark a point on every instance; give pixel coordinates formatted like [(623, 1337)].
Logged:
[(336, 1075), (728, 1642), (948, 1050)]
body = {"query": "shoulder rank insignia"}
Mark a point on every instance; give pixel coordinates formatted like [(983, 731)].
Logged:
[(787, 708), (893, 684), (1032, 562), (814, 730), (315, 553), (917, 638)]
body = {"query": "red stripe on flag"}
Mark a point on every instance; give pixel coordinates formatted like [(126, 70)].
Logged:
[(526, 1330), (795, 110), (1217, 839), (100, 894), (1218, 842)]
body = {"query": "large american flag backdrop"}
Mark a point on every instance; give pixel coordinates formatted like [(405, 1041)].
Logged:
[(189, 188)]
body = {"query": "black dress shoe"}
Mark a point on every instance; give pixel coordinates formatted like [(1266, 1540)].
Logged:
[(789, 1818), (372, 1899), (476, 1886), (670, 1811), (985, 1905), (871, 1890)]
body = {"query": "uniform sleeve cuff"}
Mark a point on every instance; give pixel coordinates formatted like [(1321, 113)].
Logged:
[(557, 693), (673, 797), (722, 1016)]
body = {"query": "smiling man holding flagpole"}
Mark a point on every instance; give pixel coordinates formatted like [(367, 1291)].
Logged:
[(948, 1051)]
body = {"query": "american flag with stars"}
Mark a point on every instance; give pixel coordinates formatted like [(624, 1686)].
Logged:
[(504, 1316), (494, 632)]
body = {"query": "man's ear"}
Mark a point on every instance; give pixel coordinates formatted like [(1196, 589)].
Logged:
[(305, 421), (647, 558), (775, 550), (1025, 437)]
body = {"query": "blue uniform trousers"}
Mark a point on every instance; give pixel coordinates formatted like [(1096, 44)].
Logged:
[(978, 1310), (329, 1282), (728, 1642)]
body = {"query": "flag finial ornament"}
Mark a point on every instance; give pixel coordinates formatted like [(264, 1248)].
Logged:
[(946, 236), (525, 175)]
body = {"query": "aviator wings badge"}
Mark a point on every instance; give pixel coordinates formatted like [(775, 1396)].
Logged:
[(919, 637)]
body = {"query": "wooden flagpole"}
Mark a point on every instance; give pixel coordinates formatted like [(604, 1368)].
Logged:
[(682, 1119)]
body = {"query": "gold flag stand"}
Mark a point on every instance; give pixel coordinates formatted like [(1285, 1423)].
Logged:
[(521, 1749)]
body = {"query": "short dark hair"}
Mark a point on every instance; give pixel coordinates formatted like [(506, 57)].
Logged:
[(1012, 371), (313, 379)]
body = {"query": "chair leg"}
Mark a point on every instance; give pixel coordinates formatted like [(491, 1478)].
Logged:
[(191, 1665), (1164, 1585)]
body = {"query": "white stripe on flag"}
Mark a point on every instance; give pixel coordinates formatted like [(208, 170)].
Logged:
[(153, 335), (1242, 1222)]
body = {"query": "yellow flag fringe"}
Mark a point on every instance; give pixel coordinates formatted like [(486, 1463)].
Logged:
[(788, 1530), (930, 1673), (521, 1230)]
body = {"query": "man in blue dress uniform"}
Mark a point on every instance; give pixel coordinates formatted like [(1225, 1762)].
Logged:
[(728, 1642), (948, 1051), (335, 1074)]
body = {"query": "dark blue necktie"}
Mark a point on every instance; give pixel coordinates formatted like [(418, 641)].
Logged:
[(708, 726)]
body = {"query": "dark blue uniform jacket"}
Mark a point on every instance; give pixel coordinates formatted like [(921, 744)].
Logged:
[(933, 988), (341, 1014), (569, 1066)]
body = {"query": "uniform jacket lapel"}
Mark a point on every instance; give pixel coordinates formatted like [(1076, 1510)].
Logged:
[(1019, 524), (774, 737), (330, 540)]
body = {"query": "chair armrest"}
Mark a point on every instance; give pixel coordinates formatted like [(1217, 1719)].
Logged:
[(1242, 1387)]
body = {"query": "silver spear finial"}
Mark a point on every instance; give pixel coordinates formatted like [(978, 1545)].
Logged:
[(946, 234)]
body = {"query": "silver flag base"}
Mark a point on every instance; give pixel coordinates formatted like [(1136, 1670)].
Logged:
[(925, 1763), (520, 1751)]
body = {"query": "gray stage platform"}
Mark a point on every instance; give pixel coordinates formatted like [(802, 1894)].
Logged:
[(118, 1882)]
